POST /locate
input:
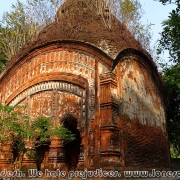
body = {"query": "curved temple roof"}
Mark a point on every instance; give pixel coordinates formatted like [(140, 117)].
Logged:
[(76, 21)]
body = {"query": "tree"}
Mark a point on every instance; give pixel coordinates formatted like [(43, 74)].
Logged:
[(16, 30), (19, 134), (23, 24), (170, 36), (171, 77), (42, 11), (131, 13)]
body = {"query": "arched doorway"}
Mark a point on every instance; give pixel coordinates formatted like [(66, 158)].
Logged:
[(72, 149)]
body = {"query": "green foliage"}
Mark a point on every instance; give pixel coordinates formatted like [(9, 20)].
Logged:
[(16, 28), (63, 132), (170, 36), (128, 9), (43, 129), (130, 14), (31, 154), (171, 79), (23, 24), (174, 152), (20, 134)]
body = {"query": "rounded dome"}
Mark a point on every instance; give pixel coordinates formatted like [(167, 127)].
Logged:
[(75, 20)]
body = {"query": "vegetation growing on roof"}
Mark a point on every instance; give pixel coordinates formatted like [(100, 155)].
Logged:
[(21, 27)]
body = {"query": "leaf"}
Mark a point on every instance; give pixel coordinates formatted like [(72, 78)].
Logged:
[(171, 77)]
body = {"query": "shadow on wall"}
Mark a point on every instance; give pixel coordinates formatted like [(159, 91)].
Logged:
[(176, 164), (140, 96), (143, 120)]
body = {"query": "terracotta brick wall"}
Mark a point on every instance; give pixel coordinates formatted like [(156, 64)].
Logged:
[(145, 147), (141, 112)]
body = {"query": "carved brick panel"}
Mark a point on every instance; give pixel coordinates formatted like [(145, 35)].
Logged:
[(91, 147)]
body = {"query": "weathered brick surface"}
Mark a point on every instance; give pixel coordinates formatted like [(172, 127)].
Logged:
[(141, 111), (139, 95), (144, 147), (115, 106), (119, 114)]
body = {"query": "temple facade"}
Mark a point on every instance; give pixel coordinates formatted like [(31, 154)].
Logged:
[(90, 75)]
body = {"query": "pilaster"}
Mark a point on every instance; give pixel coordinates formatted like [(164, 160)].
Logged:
[(109, 128)]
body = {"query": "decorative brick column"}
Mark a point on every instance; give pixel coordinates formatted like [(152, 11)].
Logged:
[(4, 163), (81, 157), (109, 127), (56, 156)]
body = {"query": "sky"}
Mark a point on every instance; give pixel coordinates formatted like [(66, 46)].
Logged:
[(155, 13)]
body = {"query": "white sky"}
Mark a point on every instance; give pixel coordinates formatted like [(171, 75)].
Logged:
[(155, 13)]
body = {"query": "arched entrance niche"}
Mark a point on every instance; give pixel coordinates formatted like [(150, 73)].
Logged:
[(72, 149)]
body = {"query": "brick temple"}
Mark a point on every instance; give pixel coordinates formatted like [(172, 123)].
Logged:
[(89, 74)]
